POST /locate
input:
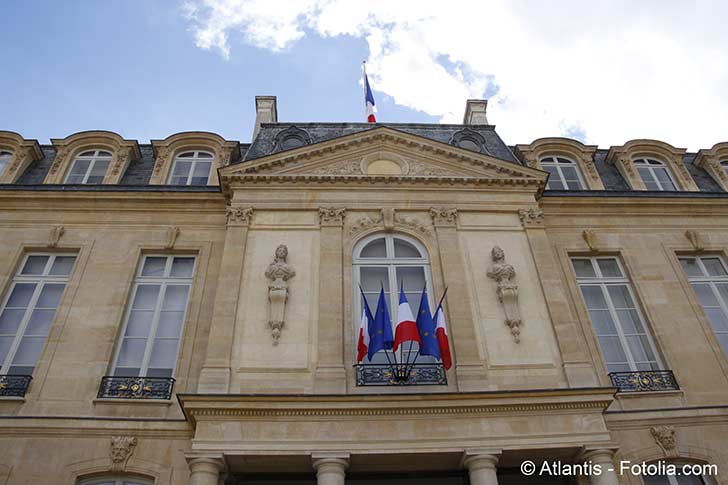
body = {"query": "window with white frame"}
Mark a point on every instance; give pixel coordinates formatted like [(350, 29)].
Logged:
[(621, 330), (709, 279), (191, 168), (29, 308), (155, 317), (386, 261), (89, 167), (655, 174), (680, 478), (115, 480), (4, 160), (565, 174)]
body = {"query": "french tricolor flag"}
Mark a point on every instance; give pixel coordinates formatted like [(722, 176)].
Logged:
[(362, 345), (406, 329), (442, 339), (369, 99)]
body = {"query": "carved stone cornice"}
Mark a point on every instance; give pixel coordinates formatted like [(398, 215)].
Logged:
[(444, 217), (332, 216), (531, 217), (239, 216)]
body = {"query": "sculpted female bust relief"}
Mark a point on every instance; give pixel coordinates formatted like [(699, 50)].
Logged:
[(278, 272), (504, 274)]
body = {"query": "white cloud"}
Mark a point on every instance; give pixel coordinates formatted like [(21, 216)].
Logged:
[(608, 71)]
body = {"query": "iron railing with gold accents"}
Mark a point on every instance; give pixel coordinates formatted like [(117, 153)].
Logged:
[(400, 374), (136, 387), (644, 381), (14, 385)]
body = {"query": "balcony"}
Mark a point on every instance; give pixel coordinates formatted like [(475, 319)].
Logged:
[(14, 385), (400, 374), (644, 381), (113, 387)]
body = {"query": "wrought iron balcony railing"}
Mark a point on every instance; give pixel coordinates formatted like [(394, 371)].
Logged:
[(400, 374), (136, 387), (644, 381), (14, 385)]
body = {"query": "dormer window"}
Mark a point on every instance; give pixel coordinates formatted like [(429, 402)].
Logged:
[(655, 174), (565, 174), (4, 160), (89, 167), (723, 165), (191, 168)]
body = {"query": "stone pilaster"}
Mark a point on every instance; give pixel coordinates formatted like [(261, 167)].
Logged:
[(481, 466), (215, 375), (205, 470), (469, 367), (330, 376), (330, 469)]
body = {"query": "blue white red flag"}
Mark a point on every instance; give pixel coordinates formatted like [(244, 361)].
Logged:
[(369, 99), (442, 340), (380, 331), (426, 326), (362, 345), (406, 329)]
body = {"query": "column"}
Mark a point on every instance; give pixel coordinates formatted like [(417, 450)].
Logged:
[(481, 467), (205, 470), (605, 459), (469, 366), (330, 375), (215, 374), (330, 469)]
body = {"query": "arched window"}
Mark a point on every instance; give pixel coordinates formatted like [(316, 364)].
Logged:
[(115, 480), (723, 165), (655, 174), (388, 260), (4, 160), (565, 173), (191, 168), (89, 167)]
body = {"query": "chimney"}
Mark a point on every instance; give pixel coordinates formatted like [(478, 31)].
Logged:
[(266, 111), (475, 112)]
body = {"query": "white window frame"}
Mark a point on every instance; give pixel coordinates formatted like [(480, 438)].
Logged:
[(163, 282), (603, 282), (93, 159), (115, 479), (711, 281), (552, 161), (40, 281), (194, 159), (391, 263), (4, 163), (651, 164)]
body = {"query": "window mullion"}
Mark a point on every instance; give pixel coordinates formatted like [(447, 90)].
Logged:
[(618, 327), (153, 331)]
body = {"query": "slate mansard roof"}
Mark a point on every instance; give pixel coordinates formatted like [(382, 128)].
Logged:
[(270, 135)]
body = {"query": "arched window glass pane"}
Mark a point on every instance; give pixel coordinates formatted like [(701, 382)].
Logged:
[(469, 144), (405, 249), (375, 249), (292, 142), (564, 174), (89, 167), (4, 160), (655, 175), (191, 168)]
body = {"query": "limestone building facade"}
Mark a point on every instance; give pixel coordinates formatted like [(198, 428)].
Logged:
[(185, 311)]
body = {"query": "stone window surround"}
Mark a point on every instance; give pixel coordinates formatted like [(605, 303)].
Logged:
[(709, 160), (24, 153), (123, 151), (165, 151), (623, 158), (574, 150)]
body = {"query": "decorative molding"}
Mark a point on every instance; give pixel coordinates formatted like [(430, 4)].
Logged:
[(55, 235), (172, 235), (161, 161), (24, 153), (121, 450), (665, 438), (444, 217), (582, 155), (503, 274), (709, 160), (239, 216), (417, 168), (224, 153), (345, 167), (278, 272), (364, 223), (695, 239), (590, 238), (623, 158), (332, 216), (414, 223), (121, 160), (531, 217)]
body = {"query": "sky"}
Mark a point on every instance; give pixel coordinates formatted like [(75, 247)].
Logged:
[(603, 72)]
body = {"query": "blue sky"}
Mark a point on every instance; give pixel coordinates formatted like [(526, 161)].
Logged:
[(605, 74)]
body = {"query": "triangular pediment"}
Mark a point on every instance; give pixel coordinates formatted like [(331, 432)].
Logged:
[(384, 152)]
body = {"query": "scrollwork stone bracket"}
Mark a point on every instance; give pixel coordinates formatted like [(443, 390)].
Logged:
[(665, 438), (332, 216), (278, 272), (444, 217), (504, 274), (531, 217), (121, 450), (239, 216)]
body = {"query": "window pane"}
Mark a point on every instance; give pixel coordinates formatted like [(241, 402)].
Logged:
[(180, 173), (583, 268), (62, 265), (34, 265), (154, 266), (146, 297), (375, 249), (630, 321), (413, 278), (20, 296), (79, 169), (603, 323), (204, 155), (40, 322), (705, 295), (664, 178), (723, 339), (612, 349), (690, 266), (372, 278), (609, 268), (175, 298), (717, 319), (201, 173), (98, 172), (164, 354), (639, 349), (131, 353), (574, 184), (50, 295), (10, 321), (404, 249), (620, 296), (182, 267), (5, 343), (714, 266), (170, 324), (186, 155), (28, 351), (139, 324), (646, 175), (594, 297)]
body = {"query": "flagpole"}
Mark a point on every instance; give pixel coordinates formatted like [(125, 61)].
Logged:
[(364, 78)]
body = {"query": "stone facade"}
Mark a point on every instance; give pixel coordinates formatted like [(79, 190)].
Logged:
[(249, 403)]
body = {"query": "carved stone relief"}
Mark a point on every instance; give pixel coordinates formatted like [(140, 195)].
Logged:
[(239, 215), (332, 216), (121, 450), (503, 274), (665, 438), (55, 235), (363, 223), (444, 217), (389, 219), (694, 237), (278, 272), (172, 235), (590, 238), (346, 167), (531, 217)]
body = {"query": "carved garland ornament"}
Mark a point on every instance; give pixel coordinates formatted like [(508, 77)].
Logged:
[(278, 272), (665, 438), (121, 450), (531, 217), (332, 215), (503, 274), (239, 215), (444, 217)]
